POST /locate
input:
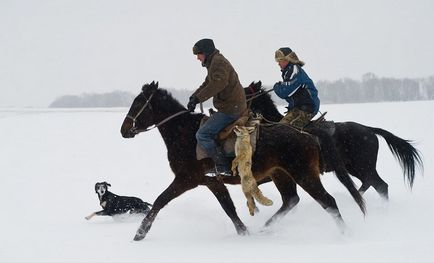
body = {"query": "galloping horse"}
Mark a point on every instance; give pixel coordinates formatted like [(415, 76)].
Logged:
[(296, 155), (357, 144)]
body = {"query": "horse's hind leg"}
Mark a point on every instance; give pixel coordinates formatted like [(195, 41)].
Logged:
[(363, 188), (288, 191), (175, 189), (380, 186), (369, 177), (222, 194), (313, 186)]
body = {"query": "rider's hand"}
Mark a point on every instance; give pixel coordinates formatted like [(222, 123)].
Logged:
[(192, 103), (277, 84)]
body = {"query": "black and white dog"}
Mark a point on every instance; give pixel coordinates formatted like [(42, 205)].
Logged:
[(114, 204)]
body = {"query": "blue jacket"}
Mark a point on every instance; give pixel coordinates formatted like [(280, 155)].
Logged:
[(297, 89)]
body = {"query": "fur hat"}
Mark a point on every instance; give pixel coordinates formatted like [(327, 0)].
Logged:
[(204, 46), (285, 53)]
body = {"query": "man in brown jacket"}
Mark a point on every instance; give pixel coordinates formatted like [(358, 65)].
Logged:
[(221, 84)]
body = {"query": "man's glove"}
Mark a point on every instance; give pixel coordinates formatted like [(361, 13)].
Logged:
[(192, 103)]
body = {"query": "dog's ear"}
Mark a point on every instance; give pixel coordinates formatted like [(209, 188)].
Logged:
[(107, 184)]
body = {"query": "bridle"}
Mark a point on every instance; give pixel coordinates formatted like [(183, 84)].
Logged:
[(148, 101), (134, 130)]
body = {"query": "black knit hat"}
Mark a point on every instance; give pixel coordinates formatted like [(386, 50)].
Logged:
[(204, 46)]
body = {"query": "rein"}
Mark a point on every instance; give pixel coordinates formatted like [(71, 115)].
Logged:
[(160, 123), (257, 94), (272, 123), (147, 103)]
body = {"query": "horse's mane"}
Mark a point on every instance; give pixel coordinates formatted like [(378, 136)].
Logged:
[(168, 101), (265, 105)]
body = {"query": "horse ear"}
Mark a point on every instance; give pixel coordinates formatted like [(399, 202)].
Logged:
[(154, 85), (144, 86), (258, 85)]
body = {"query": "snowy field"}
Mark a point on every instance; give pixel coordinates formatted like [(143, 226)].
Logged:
[(50, 160)]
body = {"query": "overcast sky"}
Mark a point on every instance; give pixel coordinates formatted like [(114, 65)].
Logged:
[(52, 48)]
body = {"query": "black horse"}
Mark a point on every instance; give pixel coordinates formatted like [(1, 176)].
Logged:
[(357, 144), (295, 155)]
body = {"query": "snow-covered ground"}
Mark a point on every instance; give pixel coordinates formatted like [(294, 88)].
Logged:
[(50, 160)]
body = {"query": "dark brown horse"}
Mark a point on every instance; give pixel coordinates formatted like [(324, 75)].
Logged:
[(357, 145), (295, 155)]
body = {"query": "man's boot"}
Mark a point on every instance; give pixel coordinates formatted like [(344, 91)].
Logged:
[(222, 164)]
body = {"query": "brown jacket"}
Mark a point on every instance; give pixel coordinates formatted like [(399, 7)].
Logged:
[(223, 85)]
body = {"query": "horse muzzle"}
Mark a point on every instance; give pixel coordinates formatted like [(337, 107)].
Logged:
[(128, 130)]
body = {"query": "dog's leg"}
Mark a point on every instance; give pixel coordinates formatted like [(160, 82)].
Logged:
[(235, 165), (250, 203), (99, 213), (90, 216)]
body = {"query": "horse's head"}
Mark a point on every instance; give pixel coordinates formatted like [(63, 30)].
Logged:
[(260, 101), (140, 116), (253, 88)]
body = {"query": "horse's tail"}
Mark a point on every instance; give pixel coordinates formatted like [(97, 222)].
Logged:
[(333, 160), (406, 154)]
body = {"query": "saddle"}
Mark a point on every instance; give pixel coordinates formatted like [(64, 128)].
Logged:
[(226, 137), (323, 124)]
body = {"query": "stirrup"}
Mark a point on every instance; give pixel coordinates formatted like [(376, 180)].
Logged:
[(224, 172), (213, 173)]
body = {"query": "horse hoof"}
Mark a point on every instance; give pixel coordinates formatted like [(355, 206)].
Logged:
[(139, 235), (243, 231)]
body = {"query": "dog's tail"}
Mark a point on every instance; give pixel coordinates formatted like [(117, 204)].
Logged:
[(263, 200)]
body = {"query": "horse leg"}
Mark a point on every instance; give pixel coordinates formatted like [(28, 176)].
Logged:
[(313, 186), (363, 188), (363, 177), (380, 186), (288, 191), (369, 177), (175, 189), (222, 194)]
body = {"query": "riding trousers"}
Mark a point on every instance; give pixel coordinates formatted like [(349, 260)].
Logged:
[(297, 118), (207, 134)]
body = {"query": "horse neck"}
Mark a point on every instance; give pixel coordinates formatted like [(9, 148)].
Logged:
[(179, 136), (178, 133), (267, 108)]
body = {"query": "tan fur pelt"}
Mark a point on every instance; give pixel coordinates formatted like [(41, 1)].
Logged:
[(243, 161)]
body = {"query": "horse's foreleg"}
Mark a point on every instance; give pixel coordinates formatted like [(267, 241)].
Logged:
[(288, 191), (175, 189), (222, 194), (313, 186)]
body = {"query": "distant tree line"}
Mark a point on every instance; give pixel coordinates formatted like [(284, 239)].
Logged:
[(91, 100), (370, 89), (374, 89)]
